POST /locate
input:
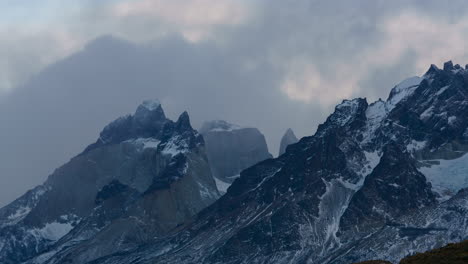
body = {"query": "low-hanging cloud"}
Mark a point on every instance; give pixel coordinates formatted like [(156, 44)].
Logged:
[(269, 64), (194, 19)]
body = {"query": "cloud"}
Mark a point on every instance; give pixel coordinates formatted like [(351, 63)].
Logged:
[(409, 37), (194, 19), (49, 31), (268, 64), (432, 40), (303, 82), (26, 50)]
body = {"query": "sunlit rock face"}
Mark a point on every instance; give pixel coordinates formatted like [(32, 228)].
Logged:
[(368, 185), (143, 176), (231, 149)]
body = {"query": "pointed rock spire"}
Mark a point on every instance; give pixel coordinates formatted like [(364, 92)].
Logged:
[(432, 69), (183, 123), (288, 138)]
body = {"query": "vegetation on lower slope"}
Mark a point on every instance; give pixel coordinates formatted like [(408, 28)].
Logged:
[(454, 253), (374, 262)]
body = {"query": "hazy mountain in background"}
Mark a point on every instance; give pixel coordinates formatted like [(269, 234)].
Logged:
[(62, 108), (288, 138), (231, 149)]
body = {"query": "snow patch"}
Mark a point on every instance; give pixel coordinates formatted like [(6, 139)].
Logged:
[(206, 193), (376, 111), (465, 134), (442, 90), (372, 160), (175, 146), (427, 113), (221, 185), (52, 231), (20, 213), (266, 178), (403, 90), (375, 114), (333, 204), (145, 143), (335, 201), (451, 120), (344, 112), (449, 176), (233, 177), (415, 145)]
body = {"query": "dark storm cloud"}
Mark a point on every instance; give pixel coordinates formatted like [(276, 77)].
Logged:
[(269, 64), (63, 108)]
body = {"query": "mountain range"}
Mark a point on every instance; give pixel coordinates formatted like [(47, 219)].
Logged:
[(377, 180)]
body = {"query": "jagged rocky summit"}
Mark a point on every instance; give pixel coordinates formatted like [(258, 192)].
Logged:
[(376, 181), (144, 176), (288, 138), (231, 149)]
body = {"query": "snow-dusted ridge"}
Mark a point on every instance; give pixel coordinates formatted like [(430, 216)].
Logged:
[(402, 91), (358, 189), (110, 190)]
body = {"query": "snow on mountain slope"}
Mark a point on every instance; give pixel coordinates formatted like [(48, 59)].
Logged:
[(144, 170), (402, 91), (359, 189), (356, 190), (447, 176)]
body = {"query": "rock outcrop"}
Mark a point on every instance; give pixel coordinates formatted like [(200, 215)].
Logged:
[(143, 176), (231, 149), (287, 139), (370, 184), (376, 181)]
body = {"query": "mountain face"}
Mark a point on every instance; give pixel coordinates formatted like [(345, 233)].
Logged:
[(376, 181), (231, 149), (144, 176), (287, 139)]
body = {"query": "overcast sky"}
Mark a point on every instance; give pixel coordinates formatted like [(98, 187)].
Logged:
[(67, 68)]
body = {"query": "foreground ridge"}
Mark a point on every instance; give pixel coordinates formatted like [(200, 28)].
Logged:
[(453, 253)]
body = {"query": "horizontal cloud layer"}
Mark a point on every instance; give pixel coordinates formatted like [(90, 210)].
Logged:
[(269, 64)]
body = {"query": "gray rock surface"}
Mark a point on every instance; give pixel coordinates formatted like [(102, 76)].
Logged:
[(367, 185), (376, 181), (144, 176), (231, 149), (288, 138)]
